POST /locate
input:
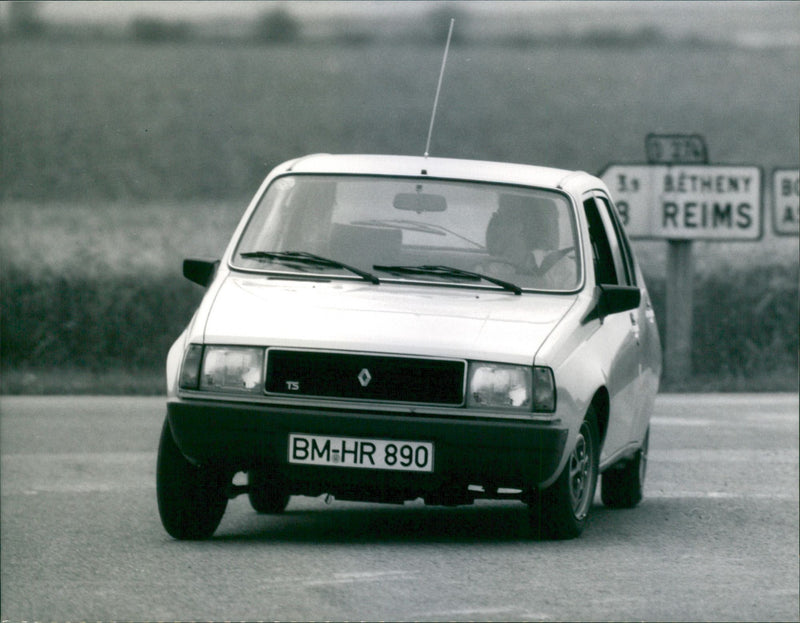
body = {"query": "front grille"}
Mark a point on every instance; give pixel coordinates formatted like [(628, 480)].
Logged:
[(365, 377)]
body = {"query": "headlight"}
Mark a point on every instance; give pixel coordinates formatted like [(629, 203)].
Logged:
[(499, 386), (495, 386), (223, 369)]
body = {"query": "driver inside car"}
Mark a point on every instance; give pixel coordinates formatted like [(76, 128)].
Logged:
[(523, 240)]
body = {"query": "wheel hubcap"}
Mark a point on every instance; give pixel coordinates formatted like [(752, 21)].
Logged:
[(580, 475)]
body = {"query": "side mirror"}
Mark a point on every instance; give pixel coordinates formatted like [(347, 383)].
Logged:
[(613, 300), (200, 271)]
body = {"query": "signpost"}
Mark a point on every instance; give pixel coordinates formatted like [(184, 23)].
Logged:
[(680, 198), (786, 202)]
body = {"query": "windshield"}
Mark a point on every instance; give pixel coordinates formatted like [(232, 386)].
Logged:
[(403, 229)]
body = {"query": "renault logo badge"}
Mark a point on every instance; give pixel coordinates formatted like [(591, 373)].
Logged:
[(364, 377)]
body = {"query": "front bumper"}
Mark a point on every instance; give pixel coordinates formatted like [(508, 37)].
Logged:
[(243, 436)]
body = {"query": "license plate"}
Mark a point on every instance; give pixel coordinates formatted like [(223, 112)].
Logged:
[(408, 456)]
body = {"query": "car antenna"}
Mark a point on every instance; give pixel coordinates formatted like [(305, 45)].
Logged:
[(439, 86)]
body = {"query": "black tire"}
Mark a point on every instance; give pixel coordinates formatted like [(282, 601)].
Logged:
[(268, 495), (561, 511), (624, 487), (191, 499)]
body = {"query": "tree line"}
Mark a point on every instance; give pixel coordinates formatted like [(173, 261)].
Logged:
[(280, 26)]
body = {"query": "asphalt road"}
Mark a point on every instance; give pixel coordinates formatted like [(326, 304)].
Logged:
[(715, 539)]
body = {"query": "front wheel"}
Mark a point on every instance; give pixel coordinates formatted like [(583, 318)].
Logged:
[(624, 487), (191, 498), (561, 510)]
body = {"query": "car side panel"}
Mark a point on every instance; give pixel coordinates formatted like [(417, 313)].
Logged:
[(650, 364), (604, 358)]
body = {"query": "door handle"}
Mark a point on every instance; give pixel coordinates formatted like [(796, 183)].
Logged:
[(635, 326)]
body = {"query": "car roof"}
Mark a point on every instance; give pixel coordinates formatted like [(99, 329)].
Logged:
[(575, 182)]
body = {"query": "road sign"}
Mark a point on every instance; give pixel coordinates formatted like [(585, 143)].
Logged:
[(676, 149), (687, 202), (786, 202)]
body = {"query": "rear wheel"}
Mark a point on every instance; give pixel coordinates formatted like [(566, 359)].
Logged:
[(268, 495), (624, 487), (561, 510), (191, 498)]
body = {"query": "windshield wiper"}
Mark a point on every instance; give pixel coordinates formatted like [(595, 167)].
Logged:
[(448, 271), (309, 259)]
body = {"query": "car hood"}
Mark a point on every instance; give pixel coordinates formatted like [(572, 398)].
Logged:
[(389, 318)]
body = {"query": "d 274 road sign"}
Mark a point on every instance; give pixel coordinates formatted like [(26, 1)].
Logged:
[(687, 202)]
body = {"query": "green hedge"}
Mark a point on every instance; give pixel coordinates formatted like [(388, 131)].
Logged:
[(73, 321), (745, 322)]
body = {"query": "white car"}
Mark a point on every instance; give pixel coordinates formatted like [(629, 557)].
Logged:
[(387, 328)]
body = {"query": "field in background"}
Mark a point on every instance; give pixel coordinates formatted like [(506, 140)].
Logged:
[(114, 121), (120, 159)]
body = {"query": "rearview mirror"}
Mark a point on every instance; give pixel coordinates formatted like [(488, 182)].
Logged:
[(420, 202)]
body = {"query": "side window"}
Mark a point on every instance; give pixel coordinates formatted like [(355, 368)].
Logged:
[(624, 245), (605, 268)]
